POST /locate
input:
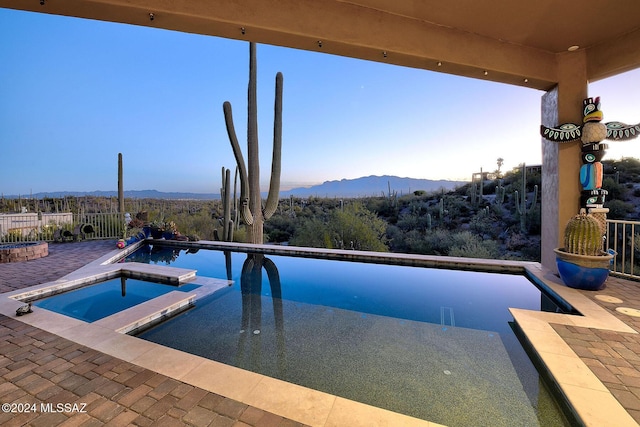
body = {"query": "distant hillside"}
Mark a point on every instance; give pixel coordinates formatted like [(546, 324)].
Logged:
[(371, 186)]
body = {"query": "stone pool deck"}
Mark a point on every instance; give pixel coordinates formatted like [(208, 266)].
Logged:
[(596, 358)]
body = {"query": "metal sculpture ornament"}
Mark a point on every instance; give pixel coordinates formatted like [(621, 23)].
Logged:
[(591, 133)]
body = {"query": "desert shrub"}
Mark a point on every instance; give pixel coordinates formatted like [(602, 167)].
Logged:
[(616, 191), (469, 245), (516, 241), (280, 228), (523, 247), (483, 224), (489, 187), (418, 242), (619, 209), (534, 220), (396, 239), (200, 223), (359, 228), (413, 221), (385, 207), (437, 242), (313, 233)]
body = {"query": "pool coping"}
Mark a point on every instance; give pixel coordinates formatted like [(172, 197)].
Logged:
[(589, 399)]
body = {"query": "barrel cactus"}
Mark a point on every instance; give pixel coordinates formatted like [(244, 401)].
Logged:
[(583, 235)]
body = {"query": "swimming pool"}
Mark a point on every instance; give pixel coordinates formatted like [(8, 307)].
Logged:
[(97, 301), (431, 343)]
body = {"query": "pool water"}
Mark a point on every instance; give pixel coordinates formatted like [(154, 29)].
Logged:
[(469, 299), (430, 343), (94, 302)]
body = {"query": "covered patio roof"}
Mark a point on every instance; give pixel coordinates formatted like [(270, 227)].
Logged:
[(510, 42)]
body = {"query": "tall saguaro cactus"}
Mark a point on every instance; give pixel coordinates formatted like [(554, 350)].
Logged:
[(120, 186), (251, 210), (225, 192), (521, 201)]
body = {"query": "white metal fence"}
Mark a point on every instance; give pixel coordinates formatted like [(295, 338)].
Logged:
[(621, 237), (26, 227)]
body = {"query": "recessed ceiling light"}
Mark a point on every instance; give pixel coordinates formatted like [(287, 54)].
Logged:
[(573, 48)]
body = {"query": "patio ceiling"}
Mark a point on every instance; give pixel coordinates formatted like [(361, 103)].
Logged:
[(515, 42)]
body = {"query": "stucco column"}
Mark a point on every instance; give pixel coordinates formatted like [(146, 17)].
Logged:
[(561, 161)]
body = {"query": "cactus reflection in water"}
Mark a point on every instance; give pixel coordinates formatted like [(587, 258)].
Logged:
[(251, 321)]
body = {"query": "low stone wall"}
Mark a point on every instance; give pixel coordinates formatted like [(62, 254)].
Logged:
[(17, 252)]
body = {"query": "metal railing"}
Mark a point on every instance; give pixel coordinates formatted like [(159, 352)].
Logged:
[(29, 227), (621, 238)]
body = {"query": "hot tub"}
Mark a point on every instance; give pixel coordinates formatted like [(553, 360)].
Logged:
[(17, 252)]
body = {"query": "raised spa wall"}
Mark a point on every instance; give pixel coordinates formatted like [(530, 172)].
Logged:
[(23, 252)]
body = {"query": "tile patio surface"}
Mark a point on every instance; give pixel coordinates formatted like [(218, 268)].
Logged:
[(40, 367)]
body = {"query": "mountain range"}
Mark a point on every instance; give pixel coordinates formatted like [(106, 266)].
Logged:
[(371, 186), (358, 187)]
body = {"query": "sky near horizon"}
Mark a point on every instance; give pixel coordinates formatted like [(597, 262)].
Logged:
[(74, 93)]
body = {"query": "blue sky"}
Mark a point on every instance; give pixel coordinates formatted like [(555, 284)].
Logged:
[(74, 93)]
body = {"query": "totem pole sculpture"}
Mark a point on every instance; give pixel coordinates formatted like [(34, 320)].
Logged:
[(251, 210), (578, 267)]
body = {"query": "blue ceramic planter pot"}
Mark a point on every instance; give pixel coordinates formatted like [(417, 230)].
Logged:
[(156, 233), (583, 272)]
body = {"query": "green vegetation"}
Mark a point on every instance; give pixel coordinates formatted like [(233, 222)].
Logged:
[(352, 226), (450, 223), (622, 181)]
